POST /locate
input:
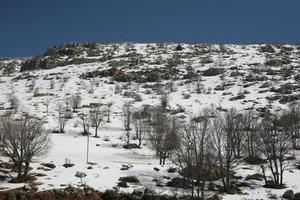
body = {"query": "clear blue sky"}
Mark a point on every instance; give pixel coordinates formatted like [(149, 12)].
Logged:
[(29, 27)]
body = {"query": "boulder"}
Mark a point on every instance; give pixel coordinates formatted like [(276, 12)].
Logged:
[(80, 174), (297, 196), (49, 165), (138, 192), (289, 194)]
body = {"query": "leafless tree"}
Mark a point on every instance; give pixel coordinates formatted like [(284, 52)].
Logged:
[(164, 100), (108, 111), (62, 117), (290, 121), (163, 134), (140, 127), (127, 112), (97, 116), (23, 139), (222, 138), (275, 145), (52, 84), (75, 101), (194, 154), (85, 121), (13, 100), (47, 102), (250, 128)]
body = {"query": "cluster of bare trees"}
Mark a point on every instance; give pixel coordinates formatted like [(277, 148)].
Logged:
[(212, 144), (22, 139)]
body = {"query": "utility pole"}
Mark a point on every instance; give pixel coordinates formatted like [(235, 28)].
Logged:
[(87, 148)]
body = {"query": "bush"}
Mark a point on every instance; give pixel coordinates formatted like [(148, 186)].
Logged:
[(172, 170), (254, 160), (257, 177), (129, 179), (179, 183), (213, 71), (267, 48), (179, 48)]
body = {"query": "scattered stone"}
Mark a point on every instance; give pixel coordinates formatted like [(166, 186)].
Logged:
[(123, 184), (67, 165), (126, 167), (297, 196), (44, 168), (49, 165), (289, 194), (138, 192), (116, 189), (80, 174), (129, 179), (89, 167), (156, 169)]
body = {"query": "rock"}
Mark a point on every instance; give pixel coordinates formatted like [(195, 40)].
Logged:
[(297, 196), (289, 194), (89, 167), (123, 184), (80, 174), (156, 169), (125, 167), (139, 192), (67, 165), (116, 189), (49, 165)]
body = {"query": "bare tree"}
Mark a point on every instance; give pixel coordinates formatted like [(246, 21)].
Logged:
[(194, 153), (23, 139), (275, 145), (97, 116), (47, 102), (250, 128), (75, 101), (163, 135), (290, 121), (140, 126), (85, 121), (62, 117), (222, 138), (164, 100), (108, 111), (127, 121), (233, 128), (52, 84), (13, 100)]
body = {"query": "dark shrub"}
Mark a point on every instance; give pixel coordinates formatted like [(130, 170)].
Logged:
[(267, 48), (213, 71), (129, 179)]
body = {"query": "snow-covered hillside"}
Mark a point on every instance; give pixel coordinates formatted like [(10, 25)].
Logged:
[(194, 76)]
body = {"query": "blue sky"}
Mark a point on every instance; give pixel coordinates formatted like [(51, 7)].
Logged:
[(29, 27)]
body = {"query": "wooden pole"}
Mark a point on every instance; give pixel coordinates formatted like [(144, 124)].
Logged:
[(87, 148)]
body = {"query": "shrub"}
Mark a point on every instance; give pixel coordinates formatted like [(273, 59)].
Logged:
[(267, 48), (129, 179), (179, 48), (213, 71), (258, 177)]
